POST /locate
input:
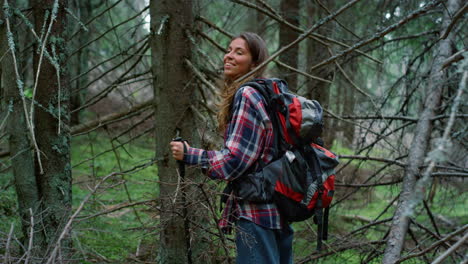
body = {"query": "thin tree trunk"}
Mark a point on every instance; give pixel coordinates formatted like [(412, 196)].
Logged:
[(350, 96), (174, 91), (52, 125), (315, 53), (420, 142), (21, 152), (290, 12), (81, 60)]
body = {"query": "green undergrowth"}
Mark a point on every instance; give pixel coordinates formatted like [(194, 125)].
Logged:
[(113, 236), (340, 149), (8, 207), (116, 236), (368, 205)]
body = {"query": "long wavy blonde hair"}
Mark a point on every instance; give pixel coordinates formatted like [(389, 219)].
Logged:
[(259, 52)]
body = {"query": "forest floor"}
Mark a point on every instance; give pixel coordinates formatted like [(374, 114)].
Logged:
[(110, 229)]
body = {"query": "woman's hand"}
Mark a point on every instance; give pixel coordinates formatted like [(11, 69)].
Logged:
[(177, 149)]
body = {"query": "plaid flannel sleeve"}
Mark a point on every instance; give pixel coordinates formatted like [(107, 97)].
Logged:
[(244, 141)]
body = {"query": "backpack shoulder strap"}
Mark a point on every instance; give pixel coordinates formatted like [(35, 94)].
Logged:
[(264, 91), (265, 88)]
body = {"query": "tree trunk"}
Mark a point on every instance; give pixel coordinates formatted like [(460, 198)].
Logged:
[(80, 60), (420, 141), (19, 144), (317, 52), (51, 120), (261, 24), (350, 95), (290, 12), (174, 92)]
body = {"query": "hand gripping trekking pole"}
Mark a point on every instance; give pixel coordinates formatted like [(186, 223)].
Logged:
[(181, 164)]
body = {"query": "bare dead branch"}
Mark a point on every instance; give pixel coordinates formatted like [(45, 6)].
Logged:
[(204, 35), (336, 19), (315, 36), (299, 39), (431, 217), (107, 31), (339, 249), (460, 13), (451, 250), (99, 122), (390, 161), (122, 53), (213, 212), (113, 209), (380, 34), (200, 76), (282, 64), (429, 232), (402, 118), (143, 48), (7, 249), (95, 17), (65, 230), (31, 237), (436, 244), (368, 184), (102, 94), (130, 128), (418, 245), (454, 58), (118, 146)]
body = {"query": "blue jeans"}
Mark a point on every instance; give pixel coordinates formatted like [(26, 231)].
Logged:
[(259, 245)]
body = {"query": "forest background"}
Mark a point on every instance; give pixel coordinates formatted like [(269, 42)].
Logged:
[(93, 91)]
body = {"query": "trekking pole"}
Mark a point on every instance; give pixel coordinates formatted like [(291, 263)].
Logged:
[(181, 164)]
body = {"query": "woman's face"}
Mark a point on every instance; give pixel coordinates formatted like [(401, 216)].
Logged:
[(237, 60)]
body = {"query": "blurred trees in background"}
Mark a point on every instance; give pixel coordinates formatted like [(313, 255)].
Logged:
[(111, 82)]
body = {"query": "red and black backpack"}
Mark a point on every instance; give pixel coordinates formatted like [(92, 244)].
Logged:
[(300, 179)]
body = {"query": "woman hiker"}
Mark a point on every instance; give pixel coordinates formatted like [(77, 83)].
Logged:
[(262, 236)]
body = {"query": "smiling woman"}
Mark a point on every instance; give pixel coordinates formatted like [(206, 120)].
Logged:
[(238, 59), (246, 45), (262, 234)]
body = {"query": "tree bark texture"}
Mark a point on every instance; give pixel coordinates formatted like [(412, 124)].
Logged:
[(174, 93), (317, 52), (290, 12), (21, 152), (419, 145), (51, 112)]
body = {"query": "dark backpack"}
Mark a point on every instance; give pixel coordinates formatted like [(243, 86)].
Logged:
[(300, 179)]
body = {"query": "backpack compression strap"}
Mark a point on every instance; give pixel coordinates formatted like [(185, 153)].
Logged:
[(314, 166)]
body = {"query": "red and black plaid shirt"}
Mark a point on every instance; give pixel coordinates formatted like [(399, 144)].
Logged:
[(248, 138)]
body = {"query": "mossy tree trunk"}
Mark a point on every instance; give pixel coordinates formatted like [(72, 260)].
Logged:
[(21, 153), (51, 121), (174, 94), (434, 94)]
